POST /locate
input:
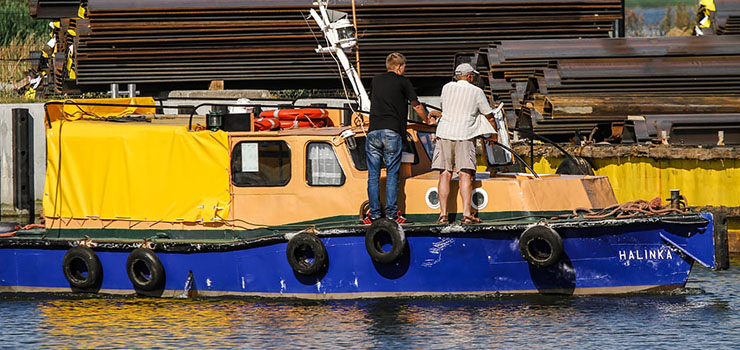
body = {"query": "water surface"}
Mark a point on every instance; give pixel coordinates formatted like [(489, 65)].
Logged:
[(704, 315)]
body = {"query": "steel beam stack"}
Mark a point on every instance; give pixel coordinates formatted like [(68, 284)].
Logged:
[(54, 9), (566, 87), (270, 44), (507, 66), (727, 17)]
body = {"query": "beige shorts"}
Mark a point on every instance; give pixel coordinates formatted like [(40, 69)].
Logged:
[(450, 155)]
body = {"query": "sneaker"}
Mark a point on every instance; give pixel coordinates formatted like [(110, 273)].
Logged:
[(399, 218), (368, 220)]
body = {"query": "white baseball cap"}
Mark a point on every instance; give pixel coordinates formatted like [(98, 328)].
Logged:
[(465, 68)]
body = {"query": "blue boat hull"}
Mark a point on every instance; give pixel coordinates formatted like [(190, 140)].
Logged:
[(606, 258)]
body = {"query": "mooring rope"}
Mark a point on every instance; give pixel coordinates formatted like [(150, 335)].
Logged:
[(628, 210)]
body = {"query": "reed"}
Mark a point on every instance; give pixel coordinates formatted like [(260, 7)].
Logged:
[(16, 22), (14, 66), (19, 35)]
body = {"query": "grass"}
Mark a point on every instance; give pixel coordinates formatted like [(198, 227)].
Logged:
[(659, 3), (16, 22), (19, 35), (14, 67)]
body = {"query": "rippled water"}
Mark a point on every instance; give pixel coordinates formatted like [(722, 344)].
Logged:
[(704, 315)]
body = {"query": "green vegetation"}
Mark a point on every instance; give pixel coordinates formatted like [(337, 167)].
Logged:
[(19, 35), (659, 3), (16, 24), (678, 20)]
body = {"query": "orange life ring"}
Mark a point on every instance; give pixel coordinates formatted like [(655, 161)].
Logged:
[(269, 123), (290, 124), (293, 114)]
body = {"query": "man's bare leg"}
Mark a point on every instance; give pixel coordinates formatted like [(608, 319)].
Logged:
[(466, 191), (443, 188)]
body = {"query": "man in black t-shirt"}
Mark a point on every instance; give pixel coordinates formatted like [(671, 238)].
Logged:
[(391, 92)]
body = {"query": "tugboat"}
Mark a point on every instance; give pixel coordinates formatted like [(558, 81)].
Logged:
[(269, 205)]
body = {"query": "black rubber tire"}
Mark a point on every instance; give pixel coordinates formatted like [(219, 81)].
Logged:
[(384, 229), (78, 260), (569, 167), (541, 246), (302, 247), (145, 270)]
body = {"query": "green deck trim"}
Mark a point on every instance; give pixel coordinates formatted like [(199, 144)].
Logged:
[(225, 235)]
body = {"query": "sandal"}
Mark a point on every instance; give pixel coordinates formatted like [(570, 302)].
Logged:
[(443, 220), (468, 220)]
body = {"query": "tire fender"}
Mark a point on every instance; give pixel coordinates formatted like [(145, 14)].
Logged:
[(82, 268), (145, 270), (385, 231), (541, 246), (306, 254)]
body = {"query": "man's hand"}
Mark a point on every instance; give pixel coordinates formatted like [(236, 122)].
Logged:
[(434, 117), (493, 138)]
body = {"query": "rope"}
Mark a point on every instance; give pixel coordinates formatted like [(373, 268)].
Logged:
[(628, 210), (18, 228)]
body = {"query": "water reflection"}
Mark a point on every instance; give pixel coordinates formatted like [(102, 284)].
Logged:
[(704, 314)]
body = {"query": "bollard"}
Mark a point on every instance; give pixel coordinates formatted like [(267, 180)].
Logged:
[(131, 90), (23, 189), (113, 90)]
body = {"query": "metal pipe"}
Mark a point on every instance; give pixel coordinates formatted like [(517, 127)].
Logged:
[(357, 46)]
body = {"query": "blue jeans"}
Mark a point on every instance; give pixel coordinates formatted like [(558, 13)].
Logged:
[(383, 145)]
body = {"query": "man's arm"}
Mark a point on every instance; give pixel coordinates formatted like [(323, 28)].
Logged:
[(421, 112), (494, 137)]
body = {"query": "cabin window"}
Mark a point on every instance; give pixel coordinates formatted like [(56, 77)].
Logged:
[(359, 157), (260, 164), (426, 140), (322, 165), (409, 151)]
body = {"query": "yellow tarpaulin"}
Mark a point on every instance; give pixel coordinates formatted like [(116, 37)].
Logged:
[(136, 171), (77, 109)]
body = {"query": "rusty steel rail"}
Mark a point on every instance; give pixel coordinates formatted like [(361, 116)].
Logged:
[(264, 44), (612, 89), (508, 65), (726, 19)]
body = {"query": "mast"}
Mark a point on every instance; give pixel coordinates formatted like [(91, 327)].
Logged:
[(340, 37)]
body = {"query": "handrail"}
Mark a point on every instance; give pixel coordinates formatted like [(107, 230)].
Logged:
[(546, 140), (195, 108), (192, 112), (519, 158)]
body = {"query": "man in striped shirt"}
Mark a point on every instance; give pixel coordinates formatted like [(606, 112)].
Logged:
[(462, 102)]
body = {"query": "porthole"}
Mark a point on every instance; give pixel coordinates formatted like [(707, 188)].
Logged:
[(480, 199), (432, 198)]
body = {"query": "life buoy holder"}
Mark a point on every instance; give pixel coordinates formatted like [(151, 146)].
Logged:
[(293, 114), (261, 124), (306, 254), (145, 270), (381, 234), (82, 269), (290, 124), (541, 246)]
